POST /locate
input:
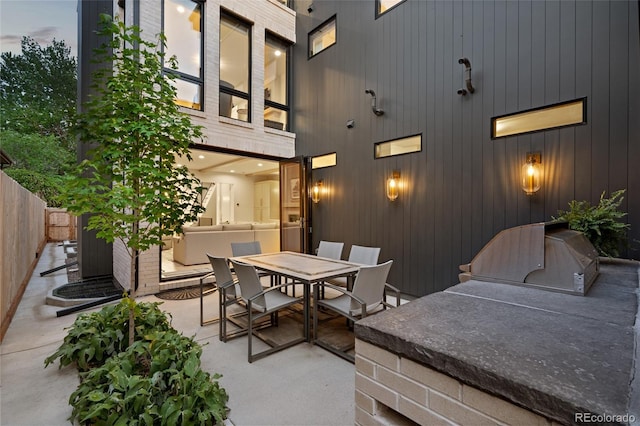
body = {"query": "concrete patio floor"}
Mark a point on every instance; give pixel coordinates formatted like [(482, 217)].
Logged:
[(302, 385)]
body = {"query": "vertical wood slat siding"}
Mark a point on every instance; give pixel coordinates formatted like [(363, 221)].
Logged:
[(463, 187)]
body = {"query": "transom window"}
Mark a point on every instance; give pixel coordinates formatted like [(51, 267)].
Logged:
[(235, 68), (554, 116), (182, 26), (398, 146), (276, 83), (323, 37), (383, 6)]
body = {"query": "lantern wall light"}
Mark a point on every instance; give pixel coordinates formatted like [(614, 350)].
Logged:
[(316, 192), (393, 186), (532, 173)]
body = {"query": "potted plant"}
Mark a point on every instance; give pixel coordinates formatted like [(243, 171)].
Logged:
[(601, 224)]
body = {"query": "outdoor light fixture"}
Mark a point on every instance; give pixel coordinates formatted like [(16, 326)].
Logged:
[(393, 186), (374, 102), (531, 173), (316, 191)]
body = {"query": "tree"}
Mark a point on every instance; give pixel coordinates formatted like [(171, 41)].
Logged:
[(129, 181), (38, 90), (37, 109)]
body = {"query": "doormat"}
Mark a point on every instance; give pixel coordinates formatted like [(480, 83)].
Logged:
[(185, 293)]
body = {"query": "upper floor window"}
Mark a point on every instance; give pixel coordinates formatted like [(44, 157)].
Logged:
[(182, 26), (235, 68), (383, 6), (323, 37), (276, 83)]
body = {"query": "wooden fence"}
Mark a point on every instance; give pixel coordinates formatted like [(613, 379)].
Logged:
[(22, 239)]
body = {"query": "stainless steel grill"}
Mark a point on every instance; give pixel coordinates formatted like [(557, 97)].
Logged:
[(544, 255)]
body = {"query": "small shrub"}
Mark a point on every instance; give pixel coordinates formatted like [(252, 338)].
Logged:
[(96, 336), (600, 224), (156, 381)]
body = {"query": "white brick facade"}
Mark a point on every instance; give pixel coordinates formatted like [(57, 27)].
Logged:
[(394, 390), (219, 131)]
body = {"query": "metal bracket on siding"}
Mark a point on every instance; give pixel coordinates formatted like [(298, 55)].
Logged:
[(467, 77)]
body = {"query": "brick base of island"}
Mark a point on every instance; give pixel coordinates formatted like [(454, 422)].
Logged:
[(488, 353)]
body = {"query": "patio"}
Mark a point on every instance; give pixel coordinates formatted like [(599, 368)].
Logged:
[(303, 385)]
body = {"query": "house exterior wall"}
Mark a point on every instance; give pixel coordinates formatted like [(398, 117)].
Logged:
[(463, 187), (219, 132)]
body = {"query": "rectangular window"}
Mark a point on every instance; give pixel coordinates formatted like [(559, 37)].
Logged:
[(544, 118), (398, 147), (383, 6), (321, 161), (323, 37), (235, 68), (182, 26), (276, 83)]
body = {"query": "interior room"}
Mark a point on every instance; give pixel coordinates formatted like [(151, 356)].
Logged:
[(241, 200)]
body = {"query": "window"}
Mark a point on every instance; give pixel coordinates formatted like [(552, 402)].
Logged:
[(276, 83), (398, 146), (322, 161), (182, 26), (235, 66), (383, 6), (538, 119), (322, 37)]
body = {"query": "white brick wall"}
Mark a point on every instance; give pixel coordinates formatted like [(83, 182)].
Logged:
[(391, 389), (220, 131)]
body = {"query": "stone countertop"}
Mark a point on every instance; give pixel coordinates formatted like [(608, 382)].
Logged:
[(553, 353)]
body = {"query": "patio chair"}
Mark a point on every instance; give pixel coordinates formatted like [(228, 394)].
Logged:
[(367, 297), (330, 250), (260, 303), (362, 255), (228, 295), (247, 249)]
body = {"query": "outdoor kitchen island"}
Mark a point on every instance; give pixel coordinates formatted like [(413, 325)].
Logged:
[(489, 353)]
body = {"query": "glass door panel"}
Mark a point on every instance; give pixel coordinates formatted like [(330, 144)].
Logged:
[(293, 206)]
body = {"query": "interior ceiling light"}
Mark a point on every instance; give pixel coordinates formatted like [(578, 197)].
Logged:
[(201, 157), (277, 52)]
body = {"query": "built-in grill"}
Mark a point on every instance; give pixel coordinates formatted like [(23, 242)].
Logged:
[(544, 255)]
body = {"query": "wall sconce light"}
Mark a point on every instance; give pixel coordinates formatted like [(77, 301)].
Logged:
[(316, 191), (532, 173), (393, 186)]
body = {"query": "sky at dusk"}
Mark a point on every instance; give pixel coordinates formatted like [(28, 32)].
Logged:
[(42, 20)]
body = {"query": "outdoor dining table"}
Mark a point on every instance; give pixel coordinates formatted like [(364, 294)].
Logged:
[(306, 269)]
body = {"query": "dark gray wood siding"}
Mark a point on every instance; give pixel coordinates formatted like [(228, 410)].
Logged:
[(463, 187), (95, 256)]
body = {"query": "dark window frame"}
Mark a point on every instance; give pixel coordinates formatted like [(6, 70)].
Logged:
[(269, 103), (375, 146), (310, 55), (540, 108), (224, 13), (198, 80), (379, 14)]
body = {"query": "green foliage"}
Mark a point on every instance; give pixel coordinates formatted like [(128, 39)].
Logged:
[(42, 154), (137, 132), (600, 224), (156, 381), (38, 90), (96, 336), (45, 186)]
